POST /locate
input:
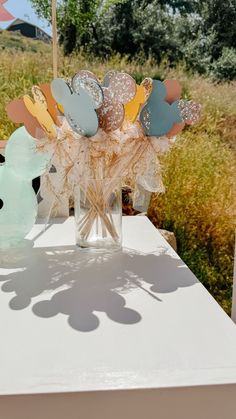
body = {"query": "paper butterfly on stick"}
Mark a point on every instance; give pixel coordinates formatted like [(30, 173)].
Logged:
[(143, 92), (79, 103), (39, 116), (38, 108), (164, 113), (18, 113), (117, 89), (132, 107)]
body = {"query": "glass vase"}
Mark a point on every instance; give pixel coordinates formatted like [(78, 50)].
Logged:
[(98, 215)]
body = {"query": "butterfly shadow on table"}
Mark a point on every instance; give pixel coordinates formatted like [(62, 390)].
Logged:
[(65, 280)]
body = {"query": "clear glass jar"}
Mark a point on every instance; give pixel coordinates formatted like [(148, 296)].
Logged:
[(98, 215)]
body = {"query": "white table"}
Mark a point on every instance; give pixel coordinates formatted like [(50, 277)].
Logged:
[(128, 335)]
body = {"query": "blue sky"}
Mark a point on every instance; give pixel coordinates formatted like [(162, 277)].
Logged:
[(23, 10)]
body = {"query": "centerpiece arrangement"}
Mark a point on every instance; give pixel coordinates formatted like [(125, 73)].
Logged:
[(84, 136)]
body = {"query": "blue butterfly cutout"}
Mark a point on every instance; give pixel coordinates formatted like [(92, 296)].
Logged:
[(79, 106), (158, 116)]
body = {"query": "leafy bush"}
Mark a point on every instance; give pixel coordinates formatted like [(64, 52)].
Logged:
[(180, 31), (224, 69)]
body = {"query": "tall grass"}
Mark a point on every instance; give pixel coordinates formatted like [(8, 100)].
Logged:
[(200, 207), (199, 173), (200, 179)]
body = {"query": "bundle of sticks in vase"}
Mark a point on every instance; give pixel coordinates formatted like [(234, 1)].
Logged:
[(101, 134)]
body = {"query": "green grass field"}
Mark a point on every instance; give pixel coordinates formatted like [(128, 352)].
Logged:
[(199, 173)]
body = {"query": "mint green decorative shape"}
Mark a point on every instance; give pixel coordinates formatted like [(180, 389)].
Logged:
[(18, 202)]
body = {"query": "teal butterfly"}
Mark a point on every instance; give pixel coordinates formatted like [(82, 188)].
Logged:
[(79, 104), (158, 116)]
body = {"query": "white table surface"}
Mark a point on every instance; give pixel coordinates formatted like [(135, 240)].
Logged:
[(87, 335)]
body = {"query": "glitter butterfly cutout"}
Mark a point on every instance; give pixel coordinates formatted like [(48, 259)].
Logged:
[(164, 113), (118, 88), (190, 111), (79, 103)]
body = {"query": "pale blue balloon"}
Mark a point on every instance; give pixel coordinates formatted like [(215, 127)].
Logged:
[(18, 202)]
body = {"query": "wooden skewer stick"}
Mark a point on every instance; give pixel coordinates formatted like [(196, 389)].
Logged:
[(97, 209), (54, 38), (95, 197)]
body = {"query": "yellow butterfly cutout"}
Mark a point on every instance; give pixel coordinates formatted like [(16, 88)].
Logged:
[(60, 107), (39, 109), (132, 107)]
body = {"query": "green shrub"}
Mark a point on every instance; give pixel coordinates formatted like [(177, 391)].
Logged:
[(224, 69)]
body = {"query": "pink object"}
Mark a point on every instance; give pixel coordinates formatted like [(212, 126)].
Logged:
[(191, 108), (119, 89), (173, 90), (4, 14), (111, 113), (51, 103), (18, 113), (2, 145), (176, 128)]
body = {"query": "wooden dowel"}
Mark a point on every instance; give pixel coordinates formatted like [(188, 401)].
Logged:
[(99, 198), (54, 38)]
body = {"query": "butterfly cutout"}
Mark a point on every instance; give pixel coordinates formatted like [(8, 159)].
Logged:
[(84, 75), (18, 113), (158, 116), (118, 88), (147, 84), (4, 14), (143, 92), (51, 103), (165, 113), (132, 108), (173, 93), (39, 110), (34, 115), (88, 82), (111, 113), (79, 107), (190, 111)]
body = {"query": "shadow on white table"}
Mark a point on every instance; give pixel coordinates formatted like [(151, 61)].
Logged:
[(79, 285), (122, 335)]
